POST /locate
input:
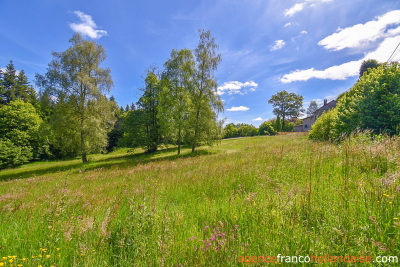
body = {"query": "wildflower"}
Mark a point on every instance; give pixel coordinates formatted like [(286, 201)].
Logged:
[(33, 257), (94, 250), (396, 218), (11, 260), (19, 265), (23, 259), (57, 249), (48, 256), (1, 263), (216, 248), (390, 202), (59, 255), (82, 254)]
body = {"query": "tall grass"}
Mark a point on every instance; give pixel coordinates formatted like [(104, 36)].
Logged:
[(254, 196)]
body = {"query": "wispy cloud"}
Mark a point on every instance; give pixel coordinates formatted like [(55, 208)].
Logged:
[(278, 45), (361, 35), (240, 108), (287, 24), (235, 87), (303, 32), (258, 119), (300, 6), (348, 69), (87, 26)]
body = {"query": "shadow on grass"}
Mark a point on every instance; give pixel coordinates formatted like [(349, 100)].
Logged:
[(123, 161)]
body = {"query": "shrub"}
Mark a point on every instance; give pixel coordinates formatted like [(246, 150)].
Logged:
[(19, 131), (323, 128), (266, 128)]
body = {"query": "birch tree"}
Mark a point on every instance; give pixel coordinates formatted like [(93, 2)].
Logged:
[(77, 83)]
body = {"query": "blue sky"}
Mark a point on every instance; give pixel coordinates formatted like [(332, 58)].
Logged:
[(310, 47)]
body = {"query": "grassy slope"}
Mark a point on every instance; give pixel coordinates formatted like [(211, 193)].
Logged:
[(249, 196)]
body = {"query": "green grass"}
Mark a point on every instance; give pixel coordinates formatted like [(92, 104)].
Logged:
[(259, 196)]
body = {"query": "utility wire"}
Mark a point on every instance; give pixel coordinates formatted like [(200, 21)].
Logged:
[(393, 52)]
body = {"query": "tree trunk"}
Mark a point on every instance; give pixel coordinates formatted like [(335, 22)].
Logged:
[(179, 141), (83, 147)]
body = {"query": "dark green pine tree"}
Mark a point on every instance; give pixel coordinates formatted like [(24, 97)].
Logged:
[(15, 85)]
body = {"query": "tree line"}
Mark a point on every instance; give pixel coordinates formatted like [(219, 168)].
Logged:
[(71, 114)]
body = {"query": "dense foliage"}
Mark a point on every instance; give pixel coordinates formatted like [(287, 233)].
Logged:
[(373, 103), (232, 130), (19, 133), (286, 105)]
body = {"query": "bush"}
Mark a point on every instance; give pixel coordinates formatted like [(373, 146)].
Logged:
[(19, 131), (266, 128), (323, 128), (12, 155)]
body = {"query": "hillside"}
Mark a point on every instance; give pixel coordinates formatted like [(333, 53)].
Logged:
[(258, 196)]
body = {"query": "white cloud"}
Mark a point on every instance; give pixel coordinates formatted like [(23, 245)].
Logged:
[(348, 69), (300, 6), (240, 108), (235, 87), (278, 45), (258, 119), (87, 26), (287, 24), (304, 32), (361, 35), (294, 9)]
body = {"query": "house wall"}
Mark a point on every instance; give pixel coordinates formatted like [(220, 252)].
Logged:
[(307, 122)]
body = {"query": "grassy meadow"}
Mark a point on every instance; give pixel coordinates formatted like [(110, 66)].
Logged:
[(258, 196)]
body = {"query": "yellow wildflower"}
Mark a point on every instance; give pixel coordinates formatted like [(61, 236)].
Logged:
[(48, 256), (82, 254), (23, 259), (1, 263), (57, 249), (11, 260), (40, 255), (33, 257), (19, 265)]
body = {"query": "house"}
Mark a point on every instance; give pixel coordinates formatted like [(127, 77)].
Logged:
[(309, 121)]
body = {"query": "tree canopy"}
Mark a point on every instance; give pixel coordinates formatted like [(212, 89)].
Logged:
[(286, 105), (83, 116)]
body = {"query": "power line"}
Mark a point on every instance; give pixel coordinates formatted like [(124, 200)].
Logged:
[(393, 52)]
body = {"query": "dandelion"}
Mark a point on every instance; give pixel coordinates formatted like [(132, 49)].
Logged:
[(48, 256), (33, 257), (10, 260), (57, 249), (1, 263), (82, 254), (40, 256), (19, 265), (59, 255), (390, 202)]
